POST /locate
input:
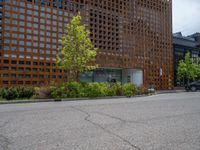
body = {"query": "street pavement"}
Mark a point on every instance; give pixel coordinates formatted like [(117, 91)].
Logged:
[(158, 122)]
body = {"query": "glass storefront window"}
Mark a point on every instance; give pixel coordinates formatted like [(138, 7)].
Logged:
[(102, 75), (108, 75), (87, 76)]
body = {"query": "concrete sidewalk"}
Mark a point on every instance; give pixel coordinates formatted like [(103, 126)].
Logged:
[(175, 90)]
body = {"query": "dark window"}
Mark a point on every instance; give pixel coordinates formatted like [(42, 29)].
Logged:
[(28, 62), (5, 82), (6, 61), (13, 82), (21, 62), (14, 62)]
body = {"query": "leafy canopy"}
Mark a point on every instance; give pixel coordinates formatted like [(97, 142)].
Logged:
[(77, 52), (187, 69)]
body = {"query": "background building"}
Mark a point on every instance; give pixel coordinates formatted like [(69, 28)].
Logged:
[(182, 45), (133, 37)]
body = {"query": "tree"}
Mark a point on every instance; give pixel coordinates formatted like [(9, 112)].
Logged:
[(77, 53), (198, 69), (187, 69)]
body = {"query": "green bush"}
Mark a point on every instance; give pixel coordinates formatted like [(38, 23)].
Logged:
[(57, 90), (9, 93), (73, 89), (100, 89), (16, 93), (25, 92), (117, 88), (69, 89), (95, 90), (108, 89), (129, 89)]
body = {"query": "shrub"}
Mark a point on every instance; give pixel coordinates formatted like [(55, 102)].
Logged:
[(17, 93), (117, 88), (110, 91), (129, 89), (9, 93), (95, 90), (74, 89), (25, 92), (56, 90), (69, 89)]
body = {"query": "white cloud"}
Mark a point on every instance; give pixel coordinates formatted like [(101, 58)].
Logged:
[(186, 16)]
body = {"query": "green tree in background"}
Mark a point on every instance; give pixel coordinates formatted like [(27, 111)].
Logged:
[(77, 53), (187, 69), (198, 69)]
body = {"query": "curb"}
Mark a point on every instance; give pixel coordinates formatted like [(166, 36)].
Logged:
[(170, 91), (57, 100), (67, 99), (77, 99), (26, 101)]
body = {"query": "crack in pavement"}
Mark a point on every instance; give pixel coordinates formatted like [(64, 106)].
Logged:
[(104, 129)]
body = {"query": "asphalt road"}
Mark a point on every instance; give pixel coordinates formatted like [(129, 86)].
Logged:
[(160, 122)]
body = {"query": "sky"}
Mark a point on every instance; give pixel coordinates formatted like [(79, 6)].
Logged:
[(186, 16)]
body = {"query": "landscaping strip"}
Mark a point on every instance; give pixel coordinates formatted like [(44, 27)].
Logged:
[(63, 99)]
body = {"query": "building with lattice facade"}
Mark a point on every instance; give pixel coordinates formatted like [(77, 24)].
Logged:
[(133, 37)]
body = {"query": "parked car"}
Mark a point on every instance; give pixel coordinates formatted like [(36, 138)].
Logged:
[(193, 86)]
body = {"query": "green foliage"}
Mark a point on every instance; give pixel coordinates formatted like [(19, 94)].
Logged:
[(25, 92), (129, 89), (77, 52), (75, 89), (117, 88), (187, 69), (70, 89), (57, 90), (95, 90), (198, 69), (16, 93), (101, 89), (110, 90), (9, 93)]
